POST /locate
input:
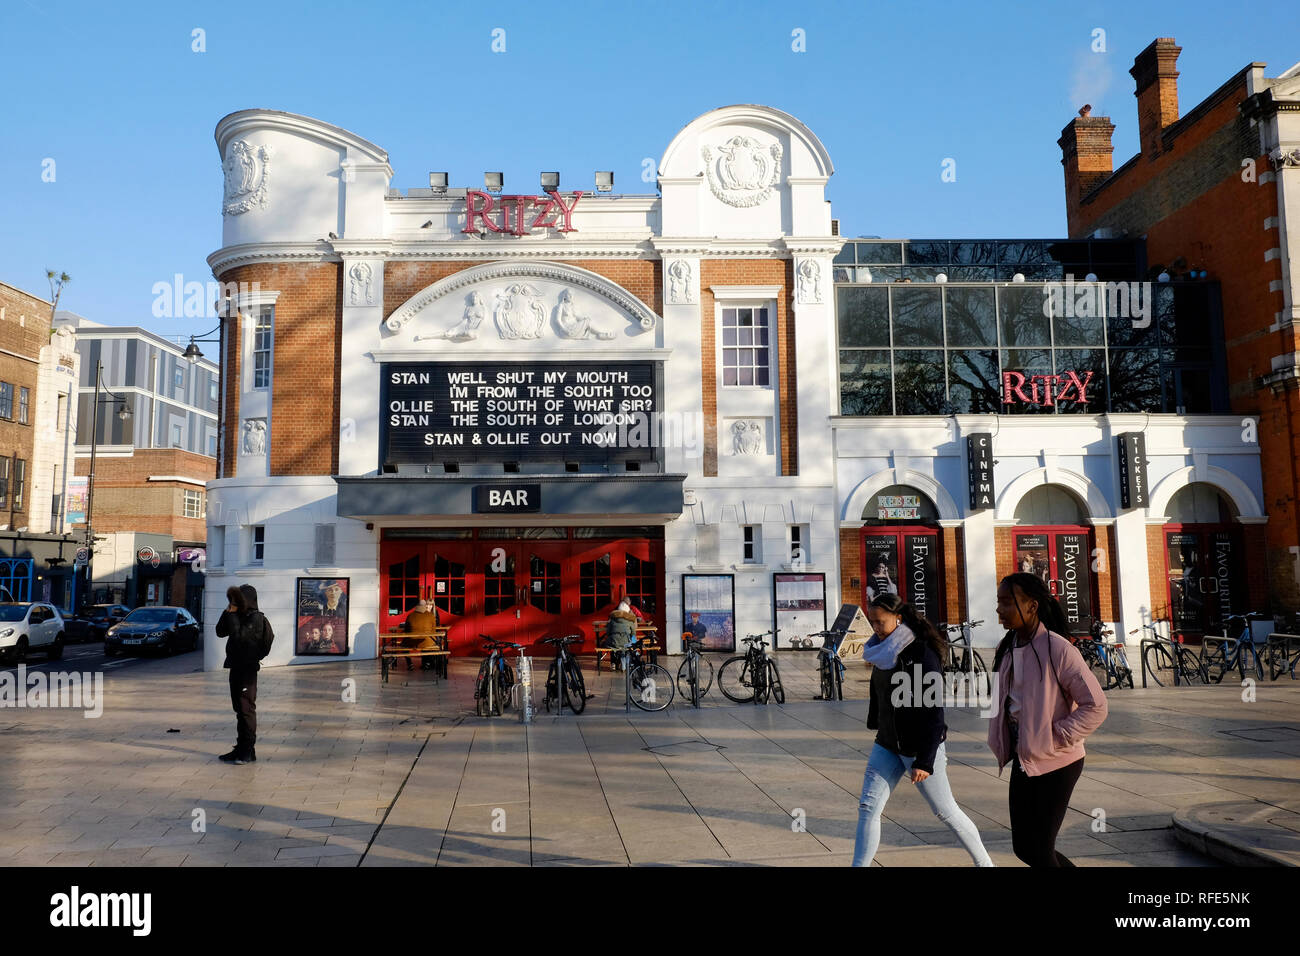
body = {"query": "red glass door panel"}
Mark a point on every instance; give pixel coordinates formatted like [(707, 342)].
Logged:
[(1062, 557), (594, 586), (1205, 577), (403, 580)]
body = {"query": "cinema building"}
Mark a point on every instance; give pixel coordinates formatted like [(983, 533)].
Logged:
[(525, 406)]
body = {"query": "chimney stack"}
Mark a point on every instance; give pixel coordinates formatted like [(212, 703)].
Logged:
[(1086, 155), (1155, 71)]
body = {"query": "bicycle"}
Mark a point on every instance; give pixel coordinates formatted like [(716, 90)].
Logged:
[(1220, 654), (495, 678), (646, 680), (565, 672), (1283, 655), (752, 676), (1106, 659), (695, 676), (830, 666), (962, 657), (1168, 662)]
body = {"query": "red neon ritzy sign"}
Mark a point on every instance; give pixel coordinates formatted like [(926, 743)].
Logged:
[(511, 209), (1013, 384)]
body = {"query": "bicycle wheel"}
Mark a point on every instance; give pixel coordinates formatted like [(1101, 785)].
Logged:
[(774, 681), (828, 681), (1192, 671), (552, 687), (1255, 663), (1159, 664), (700, 673), (1215, 662), (734, 680), (651, 686), (1100, 668), (481, 689), (505, 681), (575, 688), (1123, 674)]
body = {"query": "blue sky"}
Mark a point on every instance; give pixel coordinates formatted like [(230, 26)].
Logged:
[(115, 95)]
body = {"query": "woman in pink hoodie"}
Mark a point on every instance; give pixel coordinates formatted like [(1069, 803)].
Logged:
[(1050, 702)]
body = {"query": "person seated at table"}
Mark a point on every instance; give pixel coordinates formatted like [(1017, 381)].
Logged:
[(621, 629), (422, 620)]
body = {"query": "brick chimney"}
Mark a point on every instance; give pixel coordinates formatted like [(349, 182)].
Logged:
[(1155, 71), (1086, 155)]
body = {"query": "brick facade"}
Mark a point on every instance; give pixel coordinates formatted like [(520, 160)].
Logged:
[(126, 500), (24, 330)]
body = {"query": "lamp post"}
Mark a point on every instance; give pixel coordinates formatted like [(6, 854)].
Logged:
[(123, 413)]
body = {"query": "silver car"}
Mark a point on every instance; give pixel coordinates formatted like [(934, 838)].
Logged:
[(30, 627)]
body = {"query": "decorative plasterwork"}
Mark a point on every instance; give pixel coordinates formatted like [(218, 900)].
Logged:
[(247, 170), (1285, 157), (681, 283), (745, 291), (808, 282), (253, 440), (742, 171), (570, 275), (361, 284), (747, 437)]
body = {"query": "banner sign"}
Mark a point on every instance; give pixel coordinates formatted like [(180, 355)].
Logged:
[(979, 467), (1132, 470), (518, 411), (76, 509), (512, 499), (898, 506), (921, 573), (1073, 588), (519, 215)]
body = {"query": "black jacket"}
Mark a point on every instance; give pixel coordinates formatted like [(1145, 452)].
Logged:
[(247, 631), (920, 729)]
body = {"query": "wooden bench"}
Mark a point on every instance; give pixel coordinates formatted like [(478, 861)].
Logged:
[(391, 650), (647, 640)]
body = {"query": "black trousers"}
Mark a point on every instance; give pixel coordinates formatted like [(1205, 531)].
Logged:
[(1038, 806), (243, 697)]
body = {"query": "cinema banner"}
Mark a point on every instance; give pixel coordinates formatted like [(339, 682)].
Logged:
[(1073, 584), (880, 561), (921, 572), (1032, 556), (518, 411), (1225, 574)]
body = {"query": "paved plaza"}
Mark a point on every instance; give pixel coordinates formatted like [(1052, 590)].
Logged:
[(406, 775)]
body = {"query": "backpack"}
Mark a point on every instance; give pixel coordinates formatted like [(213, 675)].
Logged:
[(265, 637)]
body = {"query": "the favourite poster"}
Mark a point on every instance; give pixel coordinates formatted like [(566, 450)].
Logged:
[(709, 610), (322, 618)]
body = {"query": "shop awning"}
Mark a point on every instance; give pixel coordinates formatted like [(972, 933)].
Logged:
[(376, 497)]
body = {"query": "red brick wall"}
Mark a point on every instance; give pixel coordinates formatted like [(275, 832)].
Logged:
[(851, 566), (767, 272), (1158, 572), (126, 500), (954, 580), (1107, 579), (24, 329)]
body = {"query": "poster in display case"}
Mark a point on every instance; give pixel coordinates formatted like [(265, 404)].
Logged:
[(798, 610)]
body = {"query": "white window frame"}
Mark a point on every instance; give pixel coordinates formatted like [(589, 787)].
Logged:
[(268, 372), (177, 435), (798, 538), (768, 309), (254, 556), (751, 543), (192, 506)]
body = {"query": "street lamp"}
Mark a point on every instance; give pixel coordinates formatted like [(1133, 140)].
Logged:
[(123, 413)]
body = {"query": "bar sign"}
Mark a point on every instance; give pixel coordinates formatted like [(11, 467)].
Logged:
[(1132, 470), (509, 499), (979, 465)]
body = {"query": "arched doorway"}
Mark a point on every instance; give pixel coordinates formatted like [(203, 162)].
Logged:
[(901, 549), (1204, 560), (1053, 539)]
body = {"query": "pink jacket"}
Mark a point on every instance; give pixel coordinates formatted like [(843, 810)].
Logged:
[(1055, 716)]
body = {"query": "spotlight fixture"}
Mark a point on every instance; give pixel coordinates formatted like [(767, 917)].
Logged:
[(604, 180), (493, 182), (438, 182), (550, 182)]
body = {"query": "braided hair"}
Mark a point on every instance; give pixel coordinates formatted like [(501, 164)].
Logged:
[(915, 621)]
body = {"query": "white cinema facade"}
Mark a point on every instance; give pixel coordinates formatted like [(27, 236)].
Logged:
[(526, 406)]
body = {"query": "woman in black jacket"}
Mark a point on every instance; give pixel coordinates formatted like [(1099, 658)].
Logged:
[(249, 636), (909, 725)]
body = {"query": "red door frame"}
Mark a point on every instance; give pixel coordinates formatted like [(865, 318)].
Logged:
[(898, 532), (1205, 532), (1052, 530)]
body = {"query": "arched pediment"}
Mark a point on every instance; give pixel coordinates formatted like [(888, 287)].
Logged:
[(512, 300), (808, 157)]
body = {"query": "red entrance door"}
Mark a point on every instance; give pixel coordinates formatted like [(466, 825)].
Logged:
[(1205, 575), (1062, 557), (904, 561)]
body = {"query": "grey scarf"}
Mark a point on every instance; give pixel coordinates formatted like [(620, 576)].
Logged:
[(883, 652)]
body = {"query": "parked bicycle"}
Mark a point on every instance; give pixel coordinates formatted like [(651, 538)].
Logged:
[(565, 675), (1283, 655), (495, 678), (962, 657), (1234, 650), (752, 676), (1106, 659), (1167, 662), (695, 676), (649, 685), (830, 665)]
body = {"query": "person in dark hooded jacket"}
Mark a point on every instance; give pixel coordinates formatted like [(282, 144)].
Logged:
[(247, 631)]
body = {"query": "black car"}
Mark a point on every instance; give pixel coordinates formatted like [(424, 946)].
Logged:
[(93, 620), (163, 630)]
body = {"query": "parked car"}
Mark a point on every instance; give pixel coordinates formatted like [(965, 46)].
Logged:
[(93, 621), (28, 627), (161, 629)]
